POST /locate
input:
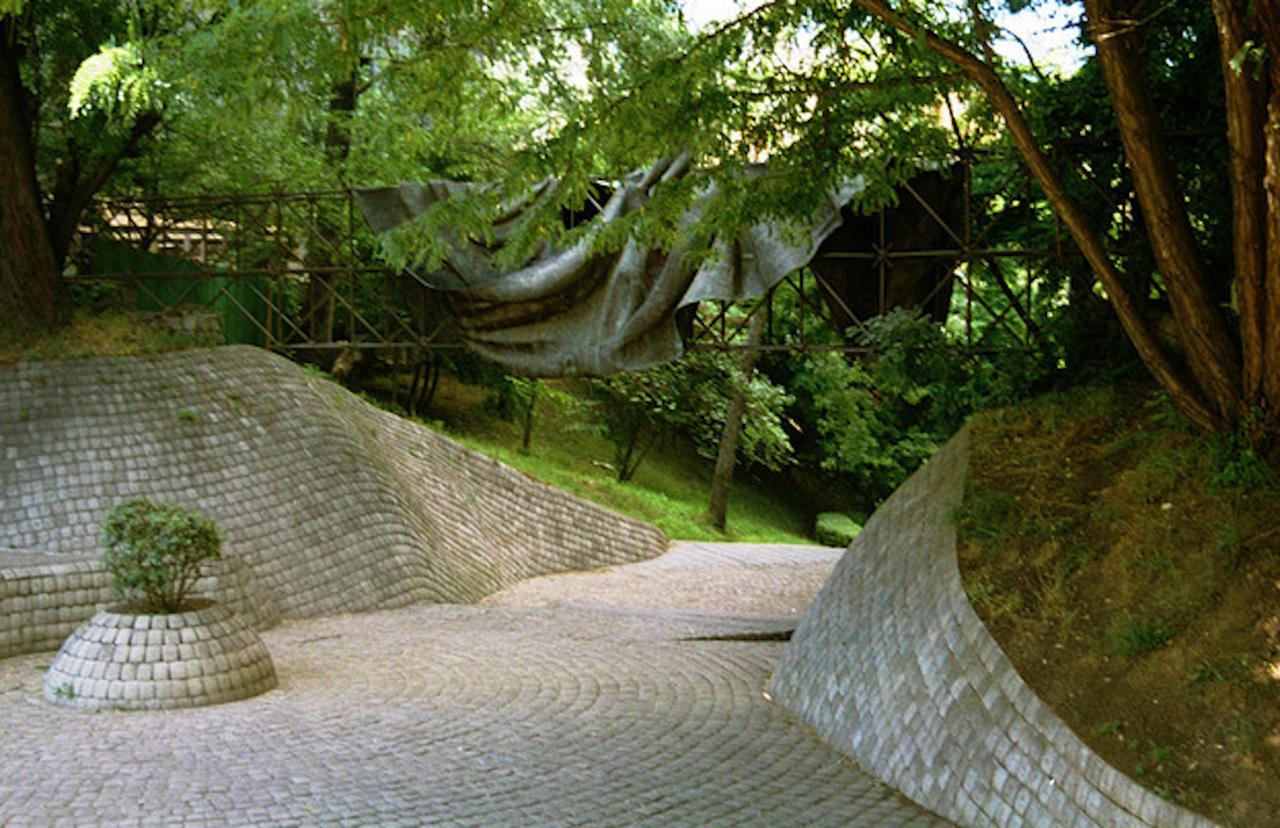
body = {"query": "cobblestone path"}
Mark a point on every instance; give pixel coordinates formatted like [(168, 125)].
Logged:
[(578, 704)]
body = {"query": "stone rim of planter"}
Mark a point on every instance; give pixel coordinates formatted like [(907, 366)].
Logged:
[(126, 659)]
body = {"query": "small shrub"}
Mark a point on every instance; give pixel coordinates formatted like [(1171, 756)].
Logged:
[(1242, 736), (835, 529), (1239, 466), (1132, 637), (154, 551), (988, 516)]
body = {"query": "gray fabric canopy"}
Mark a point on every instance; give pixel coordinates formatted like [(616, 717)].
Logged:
[(576, 312)]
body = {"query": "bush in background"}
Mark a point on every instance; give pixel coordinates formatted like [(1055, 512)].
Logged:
[(835, 529)]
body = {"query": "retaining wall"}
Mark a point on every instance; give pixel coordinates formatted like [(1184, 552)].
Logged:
[(894, 668), (42, 602), (332, 504)]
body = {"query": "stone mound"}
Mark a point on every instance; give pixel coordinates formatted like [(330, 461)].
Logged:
[(122, 661), (334, 505)]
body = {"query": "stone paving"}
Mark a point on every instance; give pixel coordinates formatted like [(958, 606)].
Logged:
[(506, 714), (752, 578)]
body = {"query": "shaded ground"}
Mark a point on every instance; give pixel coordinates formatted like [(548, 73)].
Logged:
[(471, 715), (1131, 571)]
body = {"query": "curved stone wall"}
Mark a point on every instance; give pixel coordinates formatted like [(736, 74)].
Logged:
[(334, 505), (122, 661), (894, 668), (42, 602)]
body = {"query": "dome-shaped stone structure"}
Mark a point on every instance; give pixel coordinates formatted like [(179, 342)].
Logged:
[(133, 661)]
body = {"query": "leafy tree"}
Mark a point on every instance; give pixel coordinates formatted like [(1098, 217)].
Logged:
[(271, 93), (636, 411), (59, 144), (1224, 378), (878, 417), (865, 98)]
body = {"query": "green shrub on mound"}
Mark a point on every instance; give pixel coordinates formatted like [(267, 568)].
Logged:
[(154, 551), (836, 529)]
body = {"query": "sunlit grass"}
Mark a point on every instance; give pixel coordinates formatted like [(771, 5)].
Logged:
[(670, 489)]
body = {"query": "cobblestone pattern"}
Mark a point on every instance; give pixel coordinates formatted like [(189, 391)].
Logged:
[(121, 661), (335, 505), (42, 601), (894, 668), (452, 715), (780, 580)]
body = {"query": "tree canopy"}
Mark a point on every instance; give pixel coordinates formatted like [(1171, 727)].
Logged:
[(1177, 103)]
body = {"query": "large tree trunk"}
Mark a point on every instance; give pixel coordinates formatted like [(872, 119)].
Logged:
[(1184, 393), (1211, 354), (1269, 23), (1246, 117), (31, 289), (727, 453)]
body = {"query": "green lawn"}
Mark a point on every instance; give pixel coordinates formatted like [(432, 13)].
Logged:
[(670, 488)]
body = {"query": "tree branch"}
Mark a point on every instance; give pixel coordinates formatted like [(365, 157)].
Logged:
[(851, 86), (1073, 216), (73, 192)]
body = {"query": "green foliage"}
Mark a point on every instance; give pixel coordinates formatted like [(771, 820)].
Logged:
[(875, 420), (154, 551), (991, 516), (635, 410), (919, 371), (1242, 735), (995, 603), (1227, 669), (1239, 465), (669, 490), (115, 83), (835, 529), (1132, 637), (1165, 415)]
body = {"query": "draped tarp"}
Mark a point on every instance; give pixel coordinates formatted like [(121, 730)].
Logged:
[(578, 311)]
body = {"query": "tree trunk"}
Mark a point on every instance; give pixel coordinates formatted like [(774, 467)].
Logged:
[(74, 187), (727, 454), (322, 286), (31, 289), (526, 436), (1211, 355), (1269, 23), (1184, 393), (1246, 140)]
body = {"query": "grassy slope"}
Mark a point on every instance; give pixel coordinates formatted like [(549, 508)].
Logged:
[(669, 490), (1136, 594), (112, 333)]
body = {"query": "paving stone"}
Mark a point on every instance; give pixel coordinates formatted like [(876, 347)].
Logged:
[(458, 715)]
